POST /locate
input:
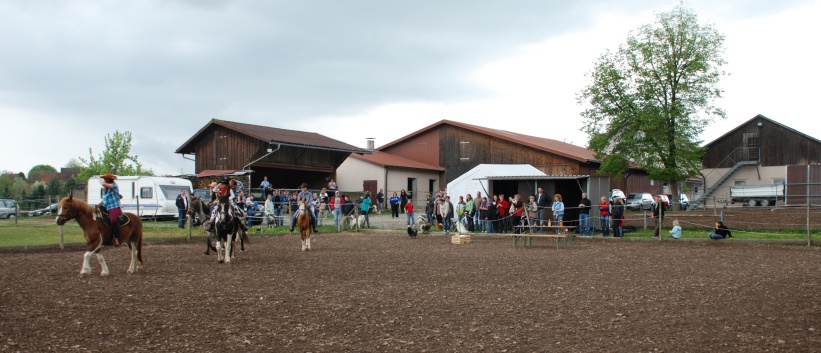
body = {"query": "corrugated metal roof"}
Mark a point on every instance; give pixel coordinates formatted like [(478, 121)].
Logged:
[(544, 144), (385, 159), (275, 135)]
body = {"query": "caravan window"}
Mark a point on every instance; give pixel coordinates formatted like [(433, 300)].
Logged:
[(171, 191), (146, 192)]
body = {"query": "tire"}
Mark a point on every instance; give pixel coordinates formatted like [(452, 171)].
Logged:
[(751, 203), (12, 216), (765, 203)]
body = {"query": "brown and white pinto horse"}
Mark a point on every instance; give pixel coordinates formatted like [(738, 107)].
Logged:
[(303, 221), (97, 233)]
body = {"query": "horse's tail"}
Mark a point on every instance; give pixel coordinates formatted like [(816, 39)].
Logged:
[(138, 229)]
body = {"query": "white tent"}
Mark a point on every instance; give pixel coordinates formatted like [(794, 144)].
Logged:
[(466, 183)]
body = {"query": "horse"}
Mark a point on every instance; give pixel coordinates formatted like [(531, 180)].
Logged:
[(227, 229), (99, 234), (303, 221), (197, 207)]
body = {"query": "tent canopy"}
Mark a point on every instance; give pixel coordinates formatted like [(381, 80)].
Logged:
[(477, 178)]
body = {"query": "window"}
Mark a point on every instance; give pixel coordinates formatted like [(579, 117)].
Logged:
[(751, 139), (146, 192), (739, 182), (464, 151)]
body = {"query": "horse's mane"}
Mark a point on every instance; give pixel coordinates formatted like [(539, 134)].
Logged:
[(82, 206)]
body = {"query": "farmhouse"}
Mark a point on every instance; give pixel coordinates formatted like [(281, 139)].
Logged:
[(287, 157), (755, 153)]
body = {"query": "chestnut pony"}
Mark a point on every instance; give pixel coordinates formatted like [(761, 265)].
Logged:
[(97, 233), (303, 221)]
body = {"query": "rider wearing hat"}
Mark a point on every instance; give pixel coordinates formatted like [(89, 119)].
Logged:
[(224, 193), (309, 202), (111, 201)]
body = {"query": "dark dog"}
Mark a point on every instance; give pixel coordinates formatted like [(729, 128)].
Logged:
[(412, 232)]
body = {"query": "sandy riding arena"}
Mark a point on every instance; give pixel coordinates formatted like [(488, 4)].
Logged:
[(379, 292)]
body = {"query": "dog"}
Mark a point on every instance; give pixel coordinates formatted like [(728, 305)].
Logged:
[(360, 221), (422, 223), (412, 232)]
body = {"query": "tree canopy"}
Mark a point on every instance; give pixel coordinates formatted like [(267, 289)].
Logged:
[(34, 173), (647, 102), (116, 158)]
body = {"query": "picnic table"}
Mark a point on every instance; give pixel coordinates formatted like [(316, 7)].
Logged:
[(564, 234)]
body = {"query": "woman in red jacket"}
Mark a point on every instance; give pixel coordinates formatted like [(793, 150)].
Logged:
[(502, 206), (604, 213)]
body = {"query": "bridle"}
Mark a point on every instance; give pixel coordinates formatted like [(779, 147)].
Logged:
[(66, 215)]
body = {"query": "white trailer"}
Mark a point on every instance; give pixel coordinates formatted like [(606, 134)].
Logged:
[(752, 195), (156, 196)]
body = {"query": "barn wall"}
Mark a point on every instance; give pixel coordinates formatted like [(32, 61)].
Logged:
[(350, 175), (423, 148), (776, 145)]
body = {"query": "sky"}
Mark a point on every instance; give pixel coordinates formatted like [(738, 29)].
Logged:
[(72, 72)]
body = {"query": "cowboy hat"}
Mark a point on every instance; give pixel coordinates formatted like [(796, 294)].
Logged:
[(223, 181), (109, 176), (213, 184), (304, 185)]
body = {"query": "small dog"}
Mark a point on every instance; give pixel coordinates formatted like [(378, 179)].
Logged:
[(422, 223), (412, 232), (440, 226), (360, 222)]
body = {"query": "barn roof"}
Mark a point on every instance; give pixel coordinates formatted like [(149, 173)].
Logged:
[(275, 136), (544, 144), (759, 116), (385, 159)]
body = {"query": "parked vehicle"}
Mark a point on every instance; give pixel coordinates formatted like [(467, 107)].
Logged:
[(8, 208), (156, 196), (639, 201), (752, 195), (48, 210), (615, 193), (203, 194)]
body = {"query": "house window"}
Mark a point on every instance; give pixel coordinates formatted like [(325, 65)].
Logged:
[(464, 151), (751, 139), (739, 182)]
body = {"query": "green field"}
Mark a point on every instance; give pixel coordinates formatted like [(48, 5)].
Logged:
[(43, 231)]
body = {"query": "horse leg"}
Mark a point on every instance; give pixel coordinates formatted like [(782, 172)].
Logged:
[(101, 259), (219, 250), (228, 249), (133, 266), (309, 242), (86, 265), (304, 243)]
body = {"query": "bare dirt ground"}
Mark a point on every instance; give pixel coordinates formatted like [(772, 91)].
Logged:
[(382, 291)]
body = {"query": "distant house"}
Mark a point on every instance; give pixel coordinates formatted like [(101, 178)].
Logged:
[(391, 173), (287, 157), (755, 153), (452, 149)]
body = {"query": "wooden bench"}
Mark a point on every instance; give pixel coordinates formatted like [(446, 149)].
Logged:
[(528, 237)]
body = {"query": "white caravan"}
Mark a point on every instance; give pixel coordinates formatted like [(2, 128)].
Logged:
[(156, 196)]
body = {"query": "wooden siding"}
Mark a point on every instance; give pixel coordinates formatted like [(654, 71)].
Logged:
[(777, 144), (640, 182), (803, 185), (423, 148)]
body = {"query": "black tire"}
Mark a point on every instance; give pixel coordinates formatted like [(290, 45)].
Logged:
[(750, 203), (765, 203)]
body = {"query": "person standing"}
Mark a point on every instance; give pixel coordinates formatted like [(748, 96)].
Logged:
[(617, 213), (502, 207), (269, 212), (182, 206), (394, 201), (111, 202), (380, 201), (264, 185), (409, 212), (558, 213), (477, 217), (604, 214), (278, 201), (469, 212), (460, 209), (336, 206), (584, 215), (446, 209), (366, 208), (518, 208), (542, 201), (658, 215), (403, 196), (492, 215)]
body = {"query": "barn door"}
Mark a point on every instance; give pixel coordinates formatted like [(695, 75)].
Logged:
[(369, 186)]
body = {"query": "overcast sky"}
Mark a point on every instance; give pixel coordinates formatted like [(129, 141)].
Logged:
[(73, 71)]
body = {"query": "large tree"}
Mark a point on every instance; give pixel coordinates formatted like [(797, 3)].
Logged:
[(34, 173), (116, 158), (647, 103)]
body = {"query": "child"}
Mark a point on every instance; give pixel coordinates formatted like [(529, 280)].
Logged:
[(675, 233), (409, 212)]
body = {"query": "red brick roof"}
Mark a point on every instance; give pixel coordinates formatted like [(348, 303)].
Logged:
[(384, 159), (274, 135), (539, 143)]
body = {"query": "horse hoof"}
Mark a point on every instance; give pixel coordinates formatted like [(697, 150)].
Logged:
[(104, 274), (221, 261)]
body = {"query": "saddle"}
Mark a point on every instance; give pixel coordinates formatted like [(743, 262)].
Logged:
[(103, 213)]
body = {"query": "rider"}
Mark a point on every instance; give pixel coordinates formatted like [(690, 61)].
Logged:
[(309, 202), (111, 201), (224, 194), (238, 186)]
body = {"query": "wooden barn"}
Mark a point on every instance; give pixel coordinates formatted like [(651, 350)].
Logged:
[(459, 147), (753, 154), (287, 157)]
